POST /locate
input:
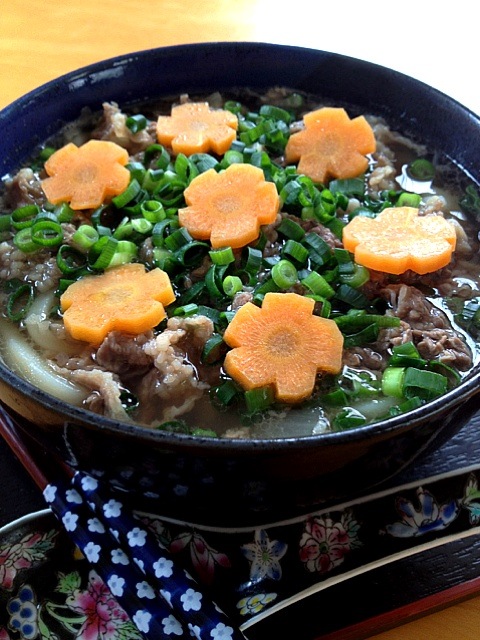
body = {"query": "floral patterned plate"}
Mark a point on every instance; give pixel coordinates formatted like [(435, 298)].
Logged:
[(268, 579)]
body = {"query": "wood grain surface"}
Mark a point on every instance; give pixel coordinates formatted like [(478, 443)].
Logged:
[(41, 40)]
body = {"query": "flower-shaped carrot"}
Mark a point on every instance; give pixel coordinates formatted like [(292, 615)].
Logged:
[(124, 298), (229, 207), (194, 127), (399, 239), (282, 344), (331, 145), (86, 176)]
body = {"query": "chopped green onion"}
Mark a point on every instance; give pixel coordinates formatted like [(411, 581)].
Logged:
[(63, 285), (128, 400), (137, 171), (141, 225), (210, 312), (185, 168), (174, 426), (222, 256), (362, 211), (323, 307), (199, 432), (232, 157), (421, 169), (259, 399), (19, 302), (46, 152), (232, 285), (364, 336), (158, 152), (224, 394), (355, 320), (125, 252), (186, 310), (252, 260), (136, 123), (153, 211), (102, 252), (47, 233), (336, 226), (213, 288), (164, 259), (359, 276), (392, 381), (470, 202), (284, 274), (23, 240), (406, 355), (344, 260), (70, 261), (337, 398), (409, 199), (348, 418), (192, 294), (5, 222), (291, 229), (214, 349), (277, 113), (296, 251), (317, 284), (353, 297), (191, 254), (449, 372), (124, 229), (23, 217), (128, 195), (109, 252), (203, 162), (320, 248), (177, 239), (262, 289), (407, 405), (161, 230), (233, 106), (352, 187), (64, 213), (425, 384)]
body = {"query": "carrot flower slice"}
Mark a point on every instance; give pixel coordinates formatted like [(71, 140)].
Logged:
[(86, 176), (331, 145), (229, 207), (194, 127), (399, 239), (282, 344), (124, 298)]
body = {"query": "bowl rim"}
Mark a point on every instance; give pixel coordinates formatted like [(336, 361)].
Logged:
[(464, 391)]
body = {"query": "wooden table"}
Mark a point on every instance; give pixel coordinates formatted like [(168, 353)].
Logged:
[(41, 40)]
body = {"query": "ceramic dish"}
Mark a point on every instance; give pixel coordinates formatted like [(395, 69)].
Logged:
[(269, 580), (239, 482)]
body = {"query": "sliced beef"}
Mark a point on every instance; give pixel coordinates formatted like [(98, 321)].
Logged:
[(38, 267), (23, 189), (172, 387), (105, 387), (430, 327), (124, 354), (113, 127)]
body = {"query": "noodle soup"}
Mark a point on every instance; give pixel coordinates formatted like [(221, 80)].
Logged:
[(175, 328)]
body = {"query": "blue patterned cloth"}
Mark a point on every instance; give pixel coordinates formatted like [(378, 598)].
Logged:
[(162, 599)]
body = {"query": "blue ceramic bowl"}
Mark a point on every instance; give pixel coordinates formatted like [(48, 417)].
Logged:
[(218, 481)]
